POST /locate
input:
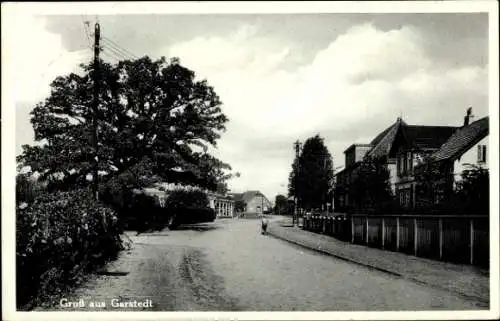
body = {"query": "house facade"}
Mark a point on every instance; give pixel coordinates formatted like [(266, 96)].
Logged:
[(412, 145), (254, 202), (354, 154), (467, 146), (222, 204), (401, 147)]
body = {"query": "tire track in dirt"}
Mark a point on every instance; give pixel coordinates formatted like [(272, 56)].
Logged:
[(206, 287)]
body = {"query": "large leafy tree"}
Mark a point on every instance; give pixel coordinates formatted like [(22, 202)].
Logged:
[(312, 174), (152, 116), (370, 187)]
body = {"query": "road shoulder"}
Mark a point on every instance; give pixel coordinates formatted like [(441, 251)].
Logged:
[(464, 280)]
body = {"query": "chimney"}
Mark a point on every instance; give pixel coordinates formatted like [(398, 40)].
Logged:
[(468, 117)]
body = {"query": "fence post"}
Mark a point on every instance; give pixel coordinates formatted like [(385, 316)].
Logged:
[(352, 229), (324, 224), (383, 233), (471, 241), (440, 223), (397, 234), (367, 230), (415, 241)]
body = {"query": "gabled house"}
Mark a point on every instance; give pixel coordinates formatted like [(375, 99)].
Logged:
[(400, 145), (469, 145), (254, 201), (411, 146)]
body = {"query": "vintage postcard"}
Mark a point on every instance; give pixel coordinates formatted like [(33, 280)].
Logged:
[(240, 160)]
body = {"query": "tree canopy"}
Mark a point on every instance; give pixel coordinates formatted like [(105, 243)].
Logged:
[(312, 174), (280, 204), (370, 188), (154, 118)]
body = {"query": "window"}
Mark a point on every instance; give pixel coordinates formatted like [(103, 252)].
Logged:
[(405, 197), (409, 161), (481, 153), (401, 165)]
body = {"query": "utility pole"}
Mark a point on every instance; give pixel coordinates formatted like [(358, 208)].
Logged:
[(95, 174), (262, 201), (296, 210)]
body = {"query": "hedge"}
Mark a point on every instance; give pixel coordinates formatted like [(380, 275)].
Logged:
[(59, 237)]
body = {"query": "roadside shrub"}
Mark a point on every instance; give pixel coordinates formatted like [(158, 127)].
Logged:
[(187, 198), (59, 236), (193, 215), (135, 209), (27, 189), (188, 207)]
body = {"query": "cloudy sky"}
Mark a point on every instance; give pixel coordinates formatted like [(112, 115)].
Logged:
[(283, 77)]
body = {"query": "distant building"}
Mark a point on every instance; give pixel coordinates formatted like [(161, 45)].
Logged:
[(253, 201), (222, 204)]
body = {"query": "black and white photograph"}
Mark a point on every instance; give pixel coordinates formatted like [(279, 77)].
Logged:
[(281, 160)]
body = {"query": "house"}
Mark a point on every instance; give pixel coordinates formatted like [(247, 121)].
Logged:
[(254, 202), (399, 145), (379, 147), (469, 145), (410, 147), (354, 154), (222, 204)]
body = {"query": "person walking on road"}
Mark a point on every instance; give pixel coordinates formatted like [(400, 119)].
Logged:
[(264, 223)]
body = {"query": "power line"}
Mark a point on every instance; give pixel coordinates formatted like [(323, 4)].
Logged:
[(115, 52), (120, 50), (110, 56), (117, 45)]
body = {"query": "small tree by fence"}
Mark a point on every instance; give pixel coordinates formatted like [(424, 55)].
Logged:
[(438, 192), (370, 187)]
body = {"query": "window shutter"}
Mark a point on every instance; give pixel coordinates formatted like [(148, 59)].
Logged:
[(479, 152), (484, 153)]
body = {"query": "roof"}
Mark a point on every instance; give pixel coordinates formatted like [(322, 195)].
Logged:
[(379, 137), (356, 145), (383, 142), (428, 137), (463, 139), (247, 196), (417, 136)]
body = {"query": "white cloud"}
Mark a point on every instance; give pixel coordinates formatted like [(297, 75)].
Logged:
[(38, 56), (365, 75), (352, 89), (35, 57)]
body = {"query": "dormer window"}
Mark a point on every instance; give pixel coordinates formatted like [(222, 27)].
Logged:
[(409, 161)]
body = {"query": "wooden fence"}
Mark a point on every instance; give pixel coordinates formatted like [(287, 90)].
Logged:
[(453, 238)]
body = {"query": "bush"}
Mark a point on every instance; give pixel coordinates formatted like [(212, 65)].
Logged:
[(59, 236), (187, 198), (188, 207), (135, 209), (192, 215), (27, 189)]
